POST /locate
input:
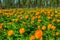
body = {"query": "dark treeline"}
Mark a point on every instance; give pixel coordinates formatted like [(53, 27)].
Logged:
[(29, 3)]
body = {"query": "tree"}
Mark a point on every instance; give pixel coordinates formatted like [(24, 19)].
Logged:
[(57, 2), (19, 3), (24, 3), (35, 3), (8, 3), (40, 3), (0, 3)]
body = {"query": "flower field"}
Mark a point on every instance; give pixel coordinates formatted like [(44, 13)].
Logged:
[(29, 24)]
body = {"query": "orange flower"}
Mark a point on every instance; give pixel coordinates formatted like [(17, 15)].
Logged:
[(45, 13), (42, 11), (49, 11), (53, 27), (32, 10), (57, 33), (26, 16), (20, 18), (33, 18), (37, 12), (58, 20), (39, 20), (49, 26), (43, 27), (0, 11), (39, 17), (32, 37), (49, 17), (38, 26), (24, 23), (1, 25), (10, 22), (54, 20), (10, 32), (38, 33), (22, 30)]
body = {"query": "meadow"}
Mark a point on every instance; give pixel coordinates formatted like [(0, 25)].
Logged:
[(30, 24)]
